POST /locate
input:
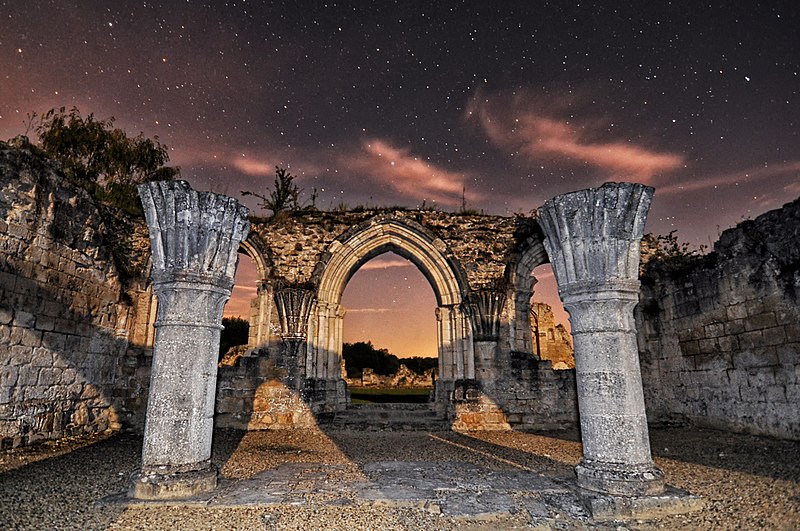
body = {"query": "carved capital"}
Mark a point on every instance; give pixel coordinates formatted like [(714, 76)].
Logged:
[(592, 237), (194, 236), (484, 308), (294, 306)]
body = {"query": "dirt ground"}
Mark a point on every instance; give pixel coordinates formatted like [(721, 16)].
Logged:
[(747, 482)]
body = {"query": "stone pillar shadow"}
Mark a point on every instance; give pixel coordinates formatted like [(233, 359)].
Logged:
[(194, 237)]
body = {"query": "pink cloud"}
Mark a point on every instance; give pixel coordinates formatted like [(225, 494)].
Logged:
[(530, 126), (406, 173), (384, 263), (789, 169)]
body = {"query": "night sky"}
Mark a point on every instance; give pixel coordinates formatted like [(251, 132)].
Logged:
[(412, 103)]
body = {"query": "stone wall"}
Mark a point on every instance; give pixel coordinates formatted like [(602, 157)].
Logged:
[(65, 317), (719, 336), (482, 244)]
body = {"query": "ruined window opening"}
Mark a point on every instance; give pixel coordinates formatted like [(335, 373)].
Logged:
[(550, 322)]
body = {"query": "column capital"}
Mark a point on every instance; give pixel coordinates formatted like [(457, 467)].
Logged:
[(194, 236), (592, 237)]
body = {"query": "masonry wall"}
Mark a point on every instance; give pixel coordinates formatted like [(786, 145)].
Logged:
[(65, 319), (482, 244), (719, 337)]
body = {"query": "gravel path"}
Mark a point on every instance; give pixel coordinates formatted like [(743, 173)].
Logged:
[(747, 482)]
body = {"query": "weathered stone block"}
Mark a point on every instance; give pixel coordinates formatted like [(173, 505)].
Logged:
[(761, 377), (751, 340), (734, 327), (736, 311), (755, 358), (760, 321)]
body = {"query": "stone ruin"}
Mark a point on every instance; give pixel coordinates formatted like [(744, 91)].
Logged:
[(403, 378), (83, 303)]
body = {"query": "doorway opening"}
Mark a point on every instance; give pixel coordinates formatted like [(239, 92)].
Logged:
[(234, 338), (390, 344)]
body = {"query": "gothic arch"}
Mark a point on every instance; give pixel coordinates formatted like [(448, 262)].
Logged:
[(260, 311), (430, 254), (255, 249), (519, 275), (377, 236)]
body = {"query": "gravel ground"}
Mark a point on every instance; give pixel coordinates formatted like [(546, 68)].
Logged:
[(747, 482)]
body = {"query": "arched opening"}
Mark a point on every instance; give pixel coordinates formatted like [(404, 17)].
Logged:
[(430, 255), (237, 313), (550, 327), (389, 332)]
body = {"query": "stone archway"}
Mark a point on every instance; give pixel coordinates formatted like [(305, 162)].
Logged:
[(261, 306), (429, 253), (519, 275)]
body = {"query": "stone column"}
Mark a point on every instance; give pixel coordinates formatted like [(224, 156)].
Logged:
[(194, 237), (592, 238)]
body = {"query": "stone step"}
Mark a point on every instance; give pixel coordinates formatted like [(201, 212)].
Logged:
[(389, 417)]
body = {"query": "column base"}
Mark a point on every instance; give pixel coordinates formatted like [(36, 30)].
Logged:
[(172, 483), (617, 479), (670, 502)]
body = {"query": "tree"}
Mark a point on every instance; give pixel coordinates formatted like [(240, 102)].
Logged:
[(285, 196), (100, 158), (235, 333), (360, 355), (419, 364)]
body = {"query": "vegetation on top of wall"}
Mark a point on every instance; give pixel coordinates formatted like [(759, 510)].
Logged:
[(668, 254), (101, 158), (285, 196)]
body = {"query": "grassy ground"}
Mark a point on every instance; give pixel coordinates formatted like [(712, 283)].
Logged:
[(367, 395)]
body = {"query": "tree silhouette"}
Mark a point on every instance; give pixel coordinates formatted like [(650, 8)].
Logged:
[(101, 158)]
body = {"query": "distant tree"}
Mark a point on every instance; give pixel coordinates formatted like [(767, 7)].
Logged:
[(284, 197), (235, 333), (102, 159), (419, 364), (357, 356)]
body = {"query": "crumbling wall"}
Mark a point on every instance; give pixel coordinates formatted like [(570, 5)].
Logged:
[(65, 319), (481, 244), (719, 337), (554, 342)]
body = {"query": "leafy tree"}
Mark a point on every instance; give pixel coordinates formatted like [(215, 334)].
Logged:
[(357, 356), (101, 158), (235, 333), (419, 364), (285, 196)]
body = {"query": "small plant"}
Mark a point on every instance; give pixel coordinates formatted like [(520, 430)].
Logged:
[(284, 197), (671, 255)]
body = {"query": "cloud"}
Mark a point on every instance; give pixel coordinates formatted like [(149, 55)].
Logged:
[(383, 263), (369, 310), (405, 173), (526, 124), (790, 169)]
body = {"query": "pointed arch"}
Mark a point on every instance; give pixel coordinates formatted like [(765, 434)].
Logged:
[(519, 276), (436, 262), (409, 240), (261, 305)]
